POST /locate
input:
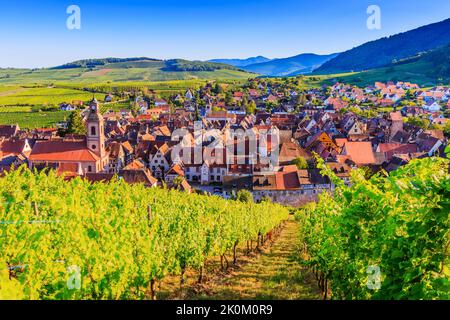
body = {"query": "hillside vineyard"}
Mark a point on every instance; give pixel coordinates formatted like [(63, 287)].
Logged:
[(112, 240)]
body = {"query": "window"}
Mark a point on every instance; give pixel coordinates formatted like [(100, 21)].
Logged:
[(94, 146), (156, 161), (218, 178), (212, 178), (188, 177), (89, 168), (93, 131)]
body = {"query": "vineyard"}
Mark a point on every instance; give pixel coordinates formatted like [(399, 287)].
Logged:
[(383, 237), (386, 237), (32, 120), (77, 240), (42, 96)]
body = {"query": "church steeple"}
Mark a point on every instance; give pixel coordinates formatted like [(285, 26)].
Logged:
[(95, 129)]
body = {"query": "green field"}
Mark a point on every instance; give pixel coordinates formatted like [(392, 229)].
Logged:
[(418, 72), (31, 120), (413, 73), (113, 73), (27, 105), (42, 96)]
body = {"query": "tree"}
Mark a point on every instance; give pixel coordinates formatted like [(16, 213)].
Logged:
[(75, 123), (409, 95), (447, 129), (244, 196), (419, 122), (251, 107), (229, 98), (218, 89), (300, 162), (134, 108)]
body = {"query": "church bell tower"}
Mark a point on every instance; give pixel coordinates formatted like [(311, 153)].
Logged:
[(95, 130)]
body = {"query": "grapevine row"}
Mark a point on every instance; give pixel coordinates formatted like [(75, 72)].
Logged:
[(386, 237), (118, 239)]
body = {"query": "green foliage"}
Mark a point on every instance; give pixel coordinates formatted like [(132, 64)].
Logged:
[(229, 98), (92, 63), (398, 222), (42, 96), (420, 122), (31, 120), (120, 73), (10, 288), (426, 69), (447, 151), (49, 228), (218, 88), (300, 162), (251, 107), (447, 129), (244, 196), (75, 123), (185, 65)]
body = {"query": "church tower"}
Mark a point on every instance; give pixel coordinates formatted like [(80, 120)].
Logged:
[(95, 130)]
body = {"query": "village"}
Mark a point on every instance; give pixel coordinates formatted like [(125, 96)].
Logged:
[(378, 128)]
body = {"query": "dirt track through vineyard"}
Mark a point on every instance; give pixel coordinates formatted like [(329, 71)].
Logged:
[(272, 274)]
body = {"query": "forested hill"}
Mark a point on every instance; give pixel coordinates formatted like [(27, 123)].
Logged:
[(167, 65), (92, 63), (125, 69), (426, 69), (186, 65), (387, 50)]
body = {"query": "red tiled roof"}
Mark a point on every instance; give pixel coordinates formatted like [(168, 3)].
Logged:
[(290, 150), (68, 169), (176, 169), (385, 147), (127, 146), (360, 152), (62, 151), (14, 148), (134, 165)]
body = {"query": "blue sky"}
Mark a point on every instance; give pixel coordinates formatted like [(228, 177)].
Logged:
[(34, 33)]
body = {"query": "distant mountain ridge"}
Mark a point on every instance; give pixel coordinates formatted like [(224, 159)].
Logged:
[(299, 64), (384, 51), (241, 62)]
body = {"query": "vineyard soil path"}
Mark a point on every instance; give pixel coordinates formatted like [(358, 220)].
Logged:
[(272, 274)]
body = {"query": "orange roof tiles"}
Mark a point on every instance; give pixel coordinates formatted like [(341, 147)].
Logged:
[(62, 151), (360, 152), (134, 165)]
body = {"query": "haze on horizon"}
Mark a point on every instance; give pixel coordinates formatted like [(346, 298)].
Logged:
[(34, 34)]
